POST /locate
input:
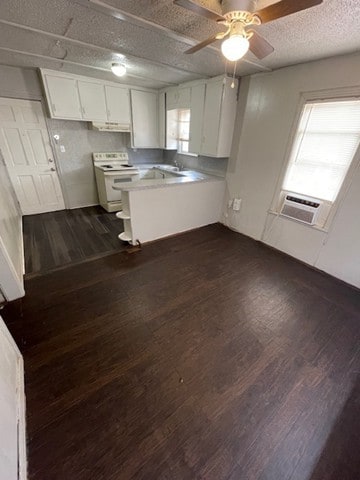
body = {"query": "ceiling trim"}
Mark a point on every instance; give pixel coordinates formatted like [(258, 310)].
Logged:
[(92, 46), (119, 14), (78, 64)]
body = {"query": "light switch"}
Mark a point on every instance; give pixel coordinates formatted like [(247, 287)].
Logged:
[(62, 149)]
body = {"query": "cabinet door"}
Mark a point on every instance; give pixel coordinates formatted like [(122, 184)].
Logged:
[(212, 113), (184, 98), (92, 98), (172, 97), (144, 107), (196, 117), (118, 104), (63, 97), (162, 121)]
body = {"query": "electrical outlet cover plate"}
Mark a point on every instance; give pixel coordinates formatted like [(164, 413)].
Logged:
[(237, 204)]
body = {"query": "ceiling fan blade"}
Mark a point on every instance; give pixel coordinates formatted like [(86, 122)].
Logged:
[(201, 45), (284, 8), (199, 10), (260, 47)]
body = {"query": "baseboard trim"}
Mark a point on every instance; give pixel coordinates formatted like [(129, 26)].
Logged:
[(22, 452)]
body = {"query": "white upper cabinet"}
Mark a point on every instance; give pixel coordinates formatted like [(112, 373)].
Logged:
[(118, 104), (92, 99), (62, 96), (219, 118), (145, 131), (73, 97), (196, 117), (162, 120), (177, 98), (212, 106)]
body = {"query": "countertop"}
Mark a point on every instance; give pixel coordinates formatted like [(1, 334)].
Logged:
[(180, 177)]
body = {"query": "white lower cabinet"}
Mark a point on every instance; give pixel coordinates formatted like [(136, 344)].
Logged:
[(144, 107)]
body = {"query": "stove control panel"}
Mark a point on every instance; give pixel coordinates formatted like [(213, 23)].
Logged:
[(111, 156)]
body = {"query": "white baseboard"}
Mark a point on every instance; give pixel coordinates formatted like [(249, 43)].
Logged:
[(22, 422)]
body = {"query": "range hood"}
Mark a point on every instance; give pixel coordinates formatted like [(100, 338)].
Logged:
[(110, 127)]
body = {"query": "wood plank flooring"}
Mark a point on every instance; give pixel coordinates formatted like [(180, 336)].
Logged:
[(203, 356), (56, 239)]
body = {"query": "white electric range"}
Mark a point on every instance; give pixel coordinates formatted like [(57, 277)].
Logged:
[(112, 169)]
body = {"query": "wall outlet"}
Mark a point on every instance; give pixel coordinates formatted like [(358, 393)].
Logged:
[(62, 149), (236, 204)]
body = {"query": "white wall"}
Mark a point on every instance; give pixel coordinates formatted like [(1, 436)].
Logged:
[(12, 409), (11, 240), (266, 112), (19, 83)]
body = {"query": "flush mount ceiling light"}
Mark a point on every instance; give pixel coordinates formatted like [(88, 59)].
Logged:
[(238, 16), (118, 69)]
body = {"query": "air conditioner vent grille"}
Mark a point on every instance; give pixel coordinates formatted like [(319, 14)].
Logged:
[(305, 216)]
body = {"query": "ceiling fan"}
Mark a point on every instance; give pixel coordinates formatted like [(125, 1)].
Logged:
[(237, 16)]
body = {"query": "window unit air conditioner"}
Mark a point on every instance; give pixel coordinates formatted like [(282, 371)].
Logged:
[(301, 208)]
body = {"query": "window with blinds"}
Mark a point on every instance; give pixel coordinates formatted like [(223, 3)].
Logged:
[(326, 141), (183, 130)]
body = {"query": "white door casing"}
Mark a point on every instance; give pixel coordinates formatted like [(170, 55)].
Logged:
[(25, 144), (12, 409)]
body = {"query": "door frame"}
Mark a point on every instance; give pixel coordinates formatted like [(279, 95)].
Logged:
[(21, 403), (41, 99)]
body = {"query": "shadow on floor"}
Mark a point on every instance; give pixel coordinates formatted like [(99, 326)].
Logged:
[(340, 459), (57, 239)]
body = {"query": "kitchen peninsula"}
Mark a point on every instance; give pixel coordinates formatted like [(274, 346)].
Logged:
[(179, 201)]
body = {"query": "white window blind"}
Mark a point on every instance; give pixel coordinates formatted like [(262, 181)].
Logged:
[(184, 130), (326, 141)]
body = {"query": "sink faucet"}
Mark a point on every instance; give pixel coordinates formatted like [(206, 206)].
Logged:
[(178, 165)]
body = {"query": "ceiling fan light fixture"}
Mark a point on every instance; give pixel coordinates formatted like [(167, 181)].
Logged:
[(118, 69), (235, 47)]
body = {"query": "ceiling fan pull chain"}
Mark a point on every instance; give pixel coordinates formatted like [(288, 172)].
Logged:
[(233, 80)]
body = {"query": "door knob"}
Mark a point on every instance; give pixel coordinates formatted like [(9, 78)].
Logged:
[(50, 160), (53, 169)]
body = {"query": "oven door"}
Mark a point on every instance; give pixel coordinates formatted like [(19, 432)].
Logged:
[(116, 179)]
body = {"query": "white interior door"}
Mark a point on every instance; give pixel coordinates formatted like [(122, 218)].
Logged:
[(12, 451), (25, 144)]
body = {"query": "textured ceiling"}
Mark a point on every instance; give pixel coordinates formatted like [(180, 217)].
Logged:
[(150, 36)]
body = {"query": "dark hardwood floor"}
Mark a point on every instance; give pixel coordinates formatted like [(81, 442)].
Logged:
[(203, 356), (56, 239)]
